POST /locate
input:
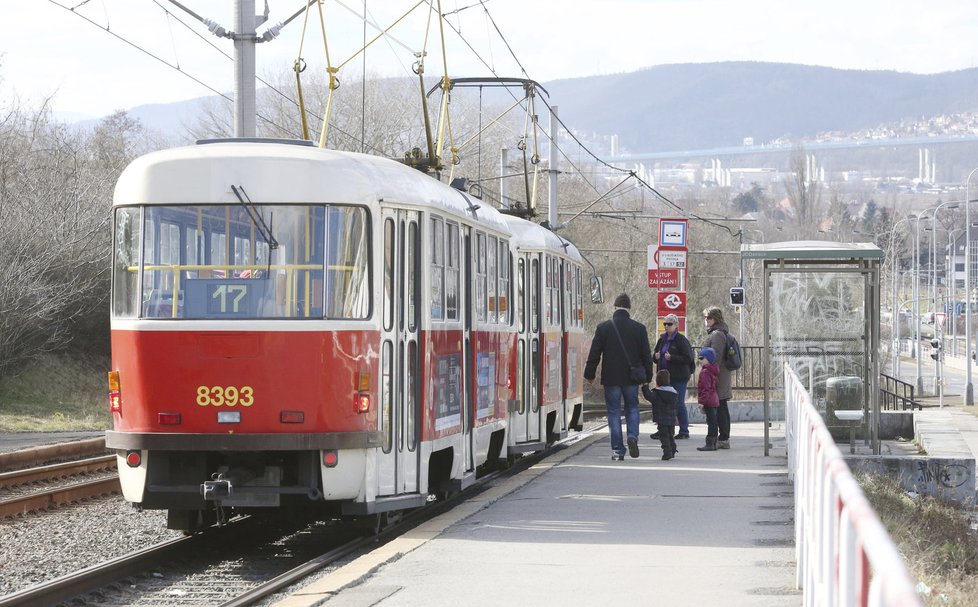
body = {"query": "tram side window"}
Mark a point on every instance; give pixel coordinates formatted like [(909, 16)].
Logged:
[(388, 274), (555, 294), (504, 282), (480, 276), (534, 286), (437, 269), (521, 295), (452, 277), (580, 297), (491, 276), (125, 265), (548, 294)]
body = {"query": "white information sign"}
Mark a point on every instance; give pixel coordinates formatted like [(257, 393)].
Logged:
[(669, 258)]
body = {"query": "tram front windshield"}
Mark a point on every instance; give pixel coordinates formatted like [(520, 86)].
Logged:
[(241, 262)]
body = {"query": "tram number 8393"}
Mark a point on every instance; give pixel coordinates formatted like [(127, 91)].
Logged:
[(225, 396)]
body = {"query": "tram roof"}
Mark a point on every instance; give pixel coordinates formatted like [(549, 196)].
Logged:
[(277, 172), (532, 236), (811, 250)]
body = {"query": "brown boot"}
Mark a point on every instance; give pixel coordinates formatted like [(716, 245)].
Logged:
[(723, 444), (711, 445)]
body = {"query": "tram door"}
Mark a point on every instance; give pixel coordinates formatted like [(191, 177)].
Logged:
[(400, 365), (533, 359)]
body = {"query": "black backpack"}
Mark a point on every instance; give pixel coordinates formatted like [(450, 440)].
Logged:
[(732, 358)]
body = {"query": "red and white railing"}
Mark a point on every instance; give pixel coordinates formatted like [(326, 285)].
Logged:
[(844, 555)]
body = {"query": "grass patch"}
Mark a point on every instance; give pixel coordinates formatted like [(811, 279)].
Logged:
[(55, 393), (936, 540)]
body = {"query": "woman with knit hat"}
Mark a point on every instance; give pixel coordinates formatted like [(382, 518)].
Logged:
[(716, 338)]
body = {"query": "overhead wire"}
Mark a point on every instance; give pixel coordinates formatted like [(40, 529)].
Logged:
[(172, 15), (601, 161), (161, 60), (386, 35)]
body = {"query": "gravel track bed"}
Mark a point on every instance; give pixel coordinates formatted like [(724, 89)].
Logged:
[(47, 545)]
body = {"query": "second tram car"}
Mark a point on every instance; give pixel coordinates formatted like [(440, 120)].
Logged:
[(297, 325)]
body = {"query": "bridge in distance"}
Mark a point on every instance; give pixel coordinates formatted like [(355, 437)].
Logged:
[(811, 147)]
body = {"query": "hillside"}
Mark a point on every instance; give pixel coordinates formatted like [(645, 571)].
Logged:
[(696, 106)]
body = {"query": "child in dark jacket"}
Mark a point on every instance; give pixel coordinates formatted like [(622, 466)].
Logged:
[(706, 395), (665, 404)]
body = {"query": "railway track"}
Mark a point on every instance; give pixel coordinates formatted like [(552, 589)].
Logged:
[(227, 566), (41, 487)]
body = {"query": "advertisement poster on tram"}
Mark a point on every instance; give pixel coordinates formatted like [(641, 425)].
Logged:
[(448, 391)]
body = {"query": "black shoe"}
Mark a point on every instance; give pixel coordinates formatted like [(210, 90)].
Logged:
[(617, 458), (681, 436), (654, 436), (633, 447), (667, 456)]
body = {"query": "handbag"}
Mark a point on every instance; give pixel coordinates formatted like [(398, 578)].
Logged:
[(635, 372)]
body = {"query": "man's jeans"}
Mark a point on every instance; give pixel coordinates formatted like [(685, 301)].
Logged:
[(612, 399)]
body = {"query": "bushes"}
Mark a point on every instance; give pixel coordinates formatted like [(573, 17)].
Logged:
[(56, 184)]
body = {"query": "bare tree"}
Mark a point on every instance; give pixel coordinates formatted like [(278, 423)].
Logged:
[(804, 190), (56, 187)]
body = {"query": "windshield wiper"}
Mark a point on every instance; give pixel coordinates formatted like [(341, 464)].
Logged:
[(265, 229)]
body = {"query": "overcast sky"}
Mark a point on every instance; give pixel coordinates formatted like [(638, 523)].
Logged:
[(46, 50)]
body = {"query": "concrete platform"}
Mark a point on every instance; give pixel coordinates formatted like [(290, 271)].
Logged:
[(580, 529)]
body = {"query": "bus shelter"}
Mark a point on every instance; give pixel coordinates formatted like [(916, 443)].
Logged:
[(822, 316)]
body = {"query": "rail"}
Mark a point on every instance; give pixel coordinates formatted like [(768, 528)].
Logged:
[(843, 553), (750, 376), (897, 395)]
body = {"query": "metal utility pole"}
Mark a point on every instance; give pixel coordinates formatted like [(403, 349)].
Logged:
[(552, 214), (918, 379), (969, 392), (245, 107)]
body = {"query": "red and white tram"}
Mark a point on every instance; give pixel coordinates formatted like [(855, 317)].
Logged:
[(296, 325)]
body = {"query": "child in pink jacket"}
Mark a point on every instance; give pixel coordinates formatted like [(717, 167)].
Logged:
[(706, 396)]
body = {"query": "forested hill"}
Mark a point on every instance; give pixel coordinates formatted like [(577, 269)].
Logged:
[(696, 106)]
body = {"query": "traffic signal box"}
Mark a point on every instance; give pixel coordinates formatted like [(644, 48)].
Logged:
[(737, 296)]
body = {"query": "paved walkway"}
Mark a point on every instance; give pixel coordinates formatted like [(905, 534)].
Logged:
[(579, 529)]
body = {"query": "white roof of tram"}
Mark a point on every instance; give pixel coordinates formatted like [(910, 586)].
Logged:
[(280, 172), (529, 235)]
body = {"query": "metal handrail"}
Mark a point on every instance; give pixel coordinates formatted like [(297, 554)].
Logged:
[(844, 556)]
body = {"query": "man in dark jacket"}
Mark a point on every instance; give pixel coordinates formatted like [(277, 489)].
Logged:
[(674, 353), (621, 344)]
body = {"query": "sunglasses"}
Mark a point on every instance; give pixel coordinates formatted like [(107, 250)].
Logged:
[(667, 324), (700, 357)]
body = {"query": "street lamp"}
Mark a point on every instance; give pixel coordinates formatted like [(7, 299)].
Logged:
[(952, 291), (894, 307), (918, 379), (969, 394), (933, 248), (740, 234), (933, 284)]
